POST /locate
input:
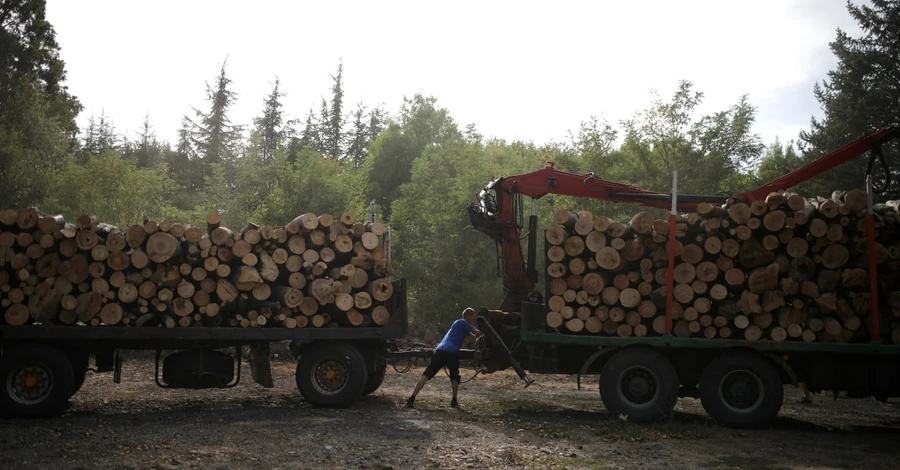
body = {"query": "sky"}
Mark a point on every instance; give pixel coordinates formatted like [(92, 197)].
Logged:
[(516, 69)]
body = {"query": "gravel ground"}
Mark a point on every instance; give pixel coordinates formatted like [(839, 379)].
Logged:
[(135, 425)]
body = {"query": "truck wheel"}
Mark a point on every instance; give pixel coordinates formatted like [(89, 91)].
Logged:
[(331, 374), (741, 390), (37, 381), (376, 378), (640, 384)]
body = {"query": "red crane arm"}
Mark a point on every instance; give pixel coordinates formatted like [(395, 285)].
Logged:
[(821, 165), (503, 223), (548, 180), (551, 181)]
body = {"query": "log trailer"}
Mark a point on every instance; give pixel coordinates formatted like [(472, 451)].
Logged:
[(43, 365), (739, 382)]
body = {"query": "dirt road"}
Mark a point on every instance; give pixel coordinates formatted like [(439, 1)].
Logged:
[(135, 425)]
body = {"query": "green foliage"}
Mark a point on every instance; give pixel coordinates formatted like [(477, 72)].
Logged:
[(707, 152), (449, 266), (37, 113), (860, 95), (419, 167), (114, 189), (422, 125), (311, 183), (778, 161)]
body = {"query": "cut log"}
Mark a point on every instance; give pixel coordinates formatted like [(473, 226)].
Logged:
[(608, 258), (574, 245), (835, 256), (763, 280)]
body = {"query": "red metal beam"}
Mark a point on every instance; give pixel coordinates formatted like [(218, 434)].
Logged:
[(817, 167)]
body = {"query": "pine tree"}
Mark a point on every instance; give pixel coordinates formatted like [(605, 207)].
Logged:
[(270, 125), (860, 95), (215, 137)]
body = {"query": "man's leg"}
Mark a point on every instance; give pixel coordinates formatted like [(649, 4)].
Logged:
[(421, 383), (453, 365), (433, 366)]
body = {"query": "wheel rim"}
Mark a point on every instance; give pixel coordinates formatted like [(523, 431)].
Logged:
[(30, 384), (741, 391), (329, 376), (638, 386)]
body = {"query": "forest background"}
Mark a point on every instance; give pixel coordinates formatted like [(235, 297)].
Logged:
[(419, 166)]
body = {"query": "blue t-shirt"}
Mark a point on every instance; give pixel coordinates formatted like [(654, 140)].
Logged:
[(454, 338)]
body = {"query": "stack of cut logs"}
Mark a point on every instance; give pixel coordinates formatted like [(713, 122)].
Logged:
[(783, 268), (315, 271)]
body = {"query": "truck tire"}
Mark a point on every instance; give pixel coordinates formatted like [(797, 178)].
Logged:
[(36, 381), (331, 374), (376, 378), (741, 390), (640, 384)]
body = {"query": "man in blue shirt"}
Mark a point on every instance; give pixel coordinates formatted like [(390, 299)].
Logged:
[(447, 354)]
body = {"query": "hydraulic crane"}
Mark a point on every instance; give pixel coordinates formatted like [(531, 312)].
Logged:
[(496, 213)]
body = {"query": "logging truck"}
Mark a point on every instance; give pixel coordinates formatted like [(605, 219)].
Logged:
[(70, 292), (725, 299)]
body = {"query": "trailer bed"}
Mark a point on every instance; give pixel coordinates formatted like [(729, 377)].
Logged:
[(532, 332)]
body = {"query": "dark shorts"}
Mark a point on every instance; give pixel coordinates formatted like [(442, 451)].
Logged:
[(440, 359)]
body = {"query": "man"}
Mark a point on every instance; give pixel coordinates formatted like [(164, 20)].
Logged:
[(447, 354)]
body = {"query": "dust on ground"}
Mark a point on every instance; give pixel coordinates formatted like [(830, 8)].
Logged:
[(135, 425)]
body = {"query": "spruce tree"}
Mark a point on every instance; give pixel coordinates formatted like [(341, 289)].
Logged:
[(310, 134), (270, 125), (860, 95), (323, 130), (215, 137), (334, 125), (358, 147), (148, 151), (378, 121)]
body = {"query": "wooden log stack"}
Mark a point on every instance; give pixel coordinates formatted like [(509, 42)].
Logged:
[(786, 268), (315, 271)]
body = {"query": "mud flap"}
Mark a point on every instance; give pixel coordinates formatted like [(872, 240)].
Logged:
[(260, 369)]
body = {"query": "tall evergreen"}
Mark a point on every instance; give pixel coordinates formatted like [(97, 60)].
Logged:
[(215, 137), (270, 125), (333, 126), (323, 129), (37, 113), (378, 121), (861, 94), (148, 150), (310, 134), (184, 145), (106, 134), (358, 146)]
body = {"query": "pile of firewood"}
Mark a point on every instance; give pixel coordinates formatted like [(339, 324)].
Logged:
[(314, 271), (786, 268)]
